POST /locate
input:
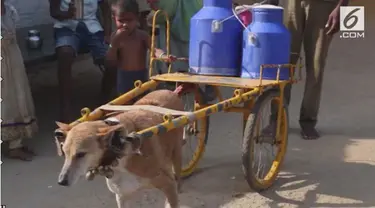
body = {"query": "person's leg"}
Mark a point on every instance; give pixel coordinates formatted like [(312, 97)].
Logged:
[(18, 151), (98, 49), (295, 22), (67, 45), (316, 45)]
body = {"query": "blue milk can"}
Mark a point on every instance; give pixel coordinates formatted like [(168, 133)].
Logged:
[(265, 41), (215, 40)]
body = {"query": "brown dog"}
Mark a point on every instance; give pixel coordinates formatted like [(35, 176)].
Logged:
[(88, 146)]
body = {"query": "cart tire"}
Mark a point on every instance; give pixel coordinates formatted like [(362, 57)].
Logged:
[(249, 143), (202, 125)]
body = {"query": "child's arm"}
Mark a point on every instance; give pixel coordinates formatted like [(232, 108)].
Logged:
[(112, 55), (116, 43)]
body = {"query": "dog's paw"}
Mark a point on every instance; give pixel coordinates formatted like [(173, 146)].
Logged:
[(115, 163), (109, 173), (90, 175)]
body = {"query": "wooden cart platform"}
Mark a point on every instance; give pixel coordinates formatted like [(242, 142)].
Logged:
[(236, 82)]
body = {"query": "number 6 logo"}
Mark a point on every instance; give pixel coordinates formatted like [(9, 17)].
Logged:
[(349, 17), (352, 18)]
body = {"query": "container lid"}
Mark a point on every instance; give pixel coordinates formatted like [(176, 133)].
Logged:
[(267, 6), (242, 8)]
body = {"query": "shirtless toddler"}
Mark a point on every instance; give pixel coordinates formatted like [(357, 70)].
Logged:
[(129, 45)]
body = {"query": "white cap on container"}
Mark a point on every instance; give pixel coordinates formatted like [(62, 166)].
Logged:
[(242, 8), (267, 6)]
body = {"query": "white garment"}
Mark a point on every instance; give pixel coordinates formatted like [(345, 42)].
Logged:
[(17, 107), (90, 9)]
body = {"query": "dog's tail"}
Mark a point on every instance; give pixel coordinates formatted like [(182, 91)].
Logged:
[(183, 88)]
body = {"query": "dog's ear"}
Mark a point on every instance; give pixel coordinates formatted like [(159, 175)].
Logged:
[(60, 136), (63, 126), (107, 130), (105, 134)]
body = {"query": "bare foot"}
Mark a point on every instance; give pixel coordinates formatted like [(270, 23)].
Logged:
[(309, 133), (20, 154)]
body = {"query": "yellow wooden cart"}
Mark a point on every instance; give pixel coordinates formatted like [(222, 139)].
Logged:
[(249, 98)]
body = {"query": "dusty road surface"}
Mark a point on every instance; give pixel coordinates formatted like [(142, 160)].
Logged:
[(336, 171)]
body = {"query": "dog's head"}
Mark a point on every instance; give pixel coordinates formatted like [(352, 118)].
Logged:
[(84, 146)]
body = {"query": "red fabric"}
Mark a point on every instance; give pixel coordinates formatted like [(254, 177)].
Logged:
[(246, 17), (186, 87)]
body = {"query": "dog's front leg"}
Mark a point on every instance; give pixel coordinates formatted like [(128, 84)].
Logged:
[(168, 186), (122, 201)]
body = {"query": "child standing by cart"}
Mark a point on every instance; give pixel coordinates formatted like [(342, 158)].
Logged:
[(17, 107), (129, 45)]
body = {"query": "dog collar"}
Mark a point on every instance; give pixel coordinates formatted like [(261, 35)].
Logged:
[(111, 121), (116, 142)]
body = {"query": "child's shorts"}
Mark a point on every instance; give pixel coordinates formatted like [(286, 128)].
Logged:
[(81, 40), (126, 79)]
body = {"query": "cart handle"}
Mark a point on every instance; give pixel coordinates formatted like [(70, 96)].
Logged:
[(152, 49)]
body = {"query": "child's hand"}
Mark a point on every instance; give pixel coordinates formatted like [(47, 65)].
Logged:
[(333, 22), (71, 9), (117, 38)]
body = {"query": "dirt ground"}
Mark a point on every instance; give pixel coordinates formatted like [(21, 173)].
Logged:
[(336, 171)]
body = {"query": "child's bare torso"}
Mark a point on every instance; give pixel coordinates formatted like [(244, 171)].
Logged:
[(132, 56)]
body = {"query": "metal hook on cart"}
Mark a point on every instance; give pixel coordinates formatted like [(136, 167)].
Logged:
[(85, 112), (167, 118), (138, 84)]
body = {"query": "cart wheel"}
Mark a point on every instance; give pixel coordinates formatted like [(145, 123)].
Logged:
[(195, 134), (257, 135)]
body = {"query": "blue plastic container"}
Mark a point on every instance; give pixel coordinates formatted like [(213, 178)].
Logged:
[(215, 40), (265, 41)]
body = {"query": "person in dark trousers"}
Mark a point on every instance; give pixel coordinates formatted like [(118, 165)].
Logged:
[(312, 23), (71, 36)]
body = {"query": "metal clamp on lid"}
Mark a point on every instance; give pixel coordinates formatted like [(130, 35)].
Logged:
[(252, 39), (217, 26)]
